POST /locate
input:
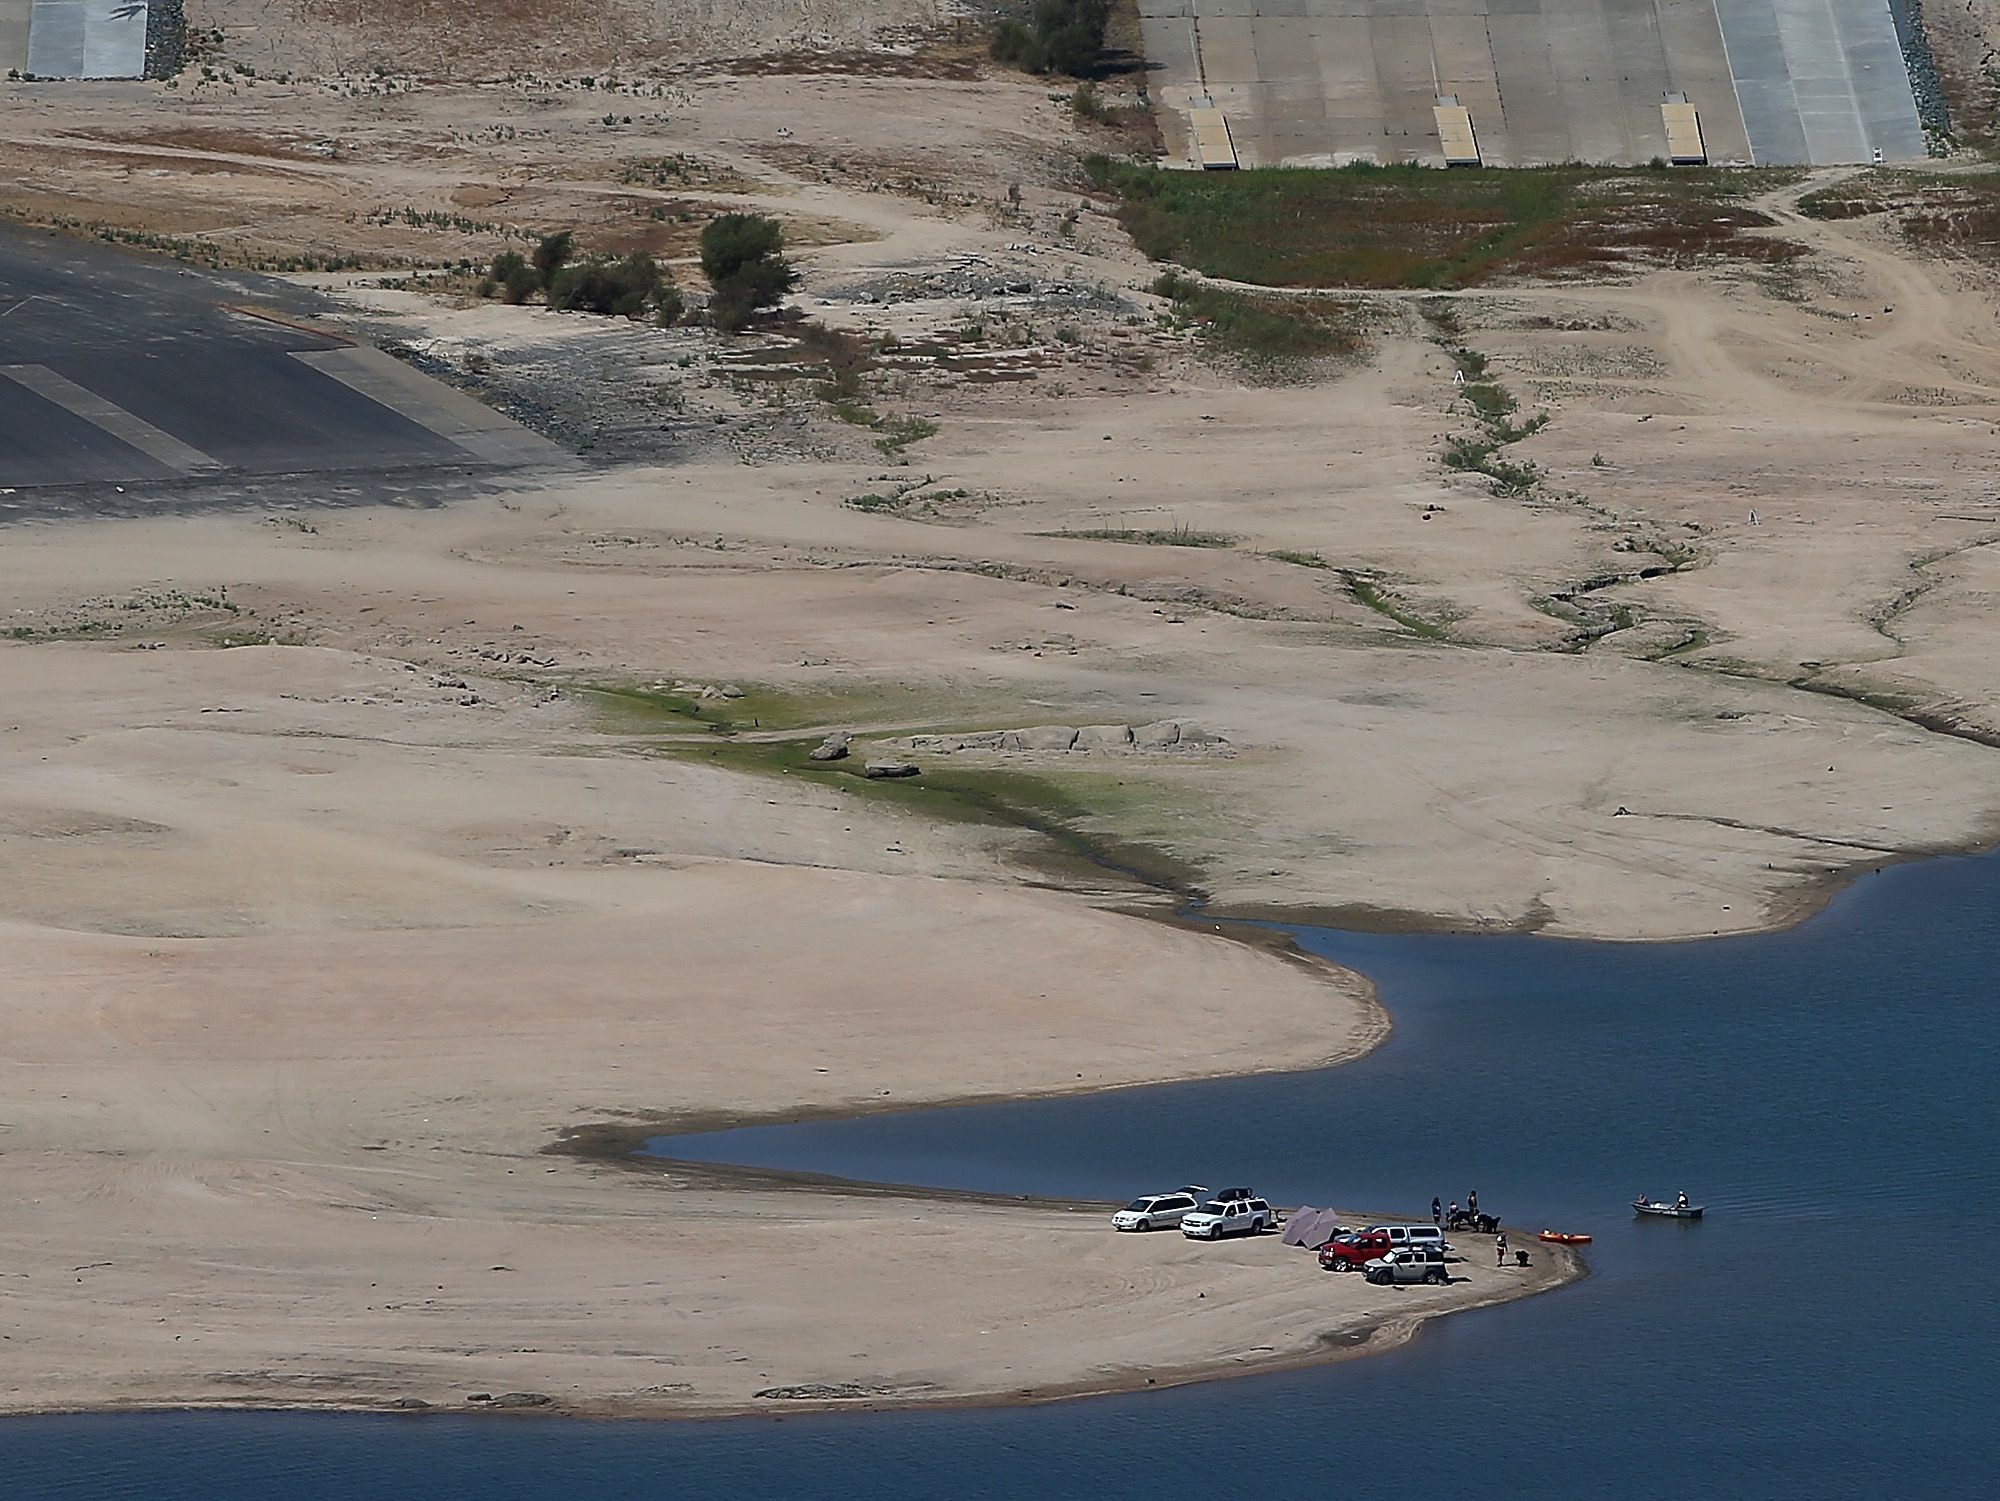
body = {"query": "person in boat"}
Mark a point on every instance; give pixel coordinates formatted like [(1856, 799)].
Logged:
[(1681, 1199)]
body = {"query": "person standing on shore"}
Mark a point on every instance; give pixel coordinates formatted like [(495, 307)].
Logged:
[(1500, 1249), (1454, 1212), (1437, 1210), (1472, 1202)]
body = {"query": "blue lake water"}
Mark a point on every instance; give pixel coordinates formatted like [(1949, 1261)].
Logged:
[(1831, 1330)]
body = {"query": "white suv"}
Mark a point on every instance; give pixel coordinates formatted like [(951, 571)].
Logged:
[(1410, 1235), (1216, 1219), (1155, 1210)]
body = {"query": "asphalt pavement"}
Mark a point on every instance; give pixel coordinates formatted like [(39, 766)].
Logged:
[(124, 369)]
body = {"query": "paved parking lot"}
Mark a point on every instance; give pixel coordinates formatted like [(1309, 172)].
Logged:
[(1325, 82), (123, 369)]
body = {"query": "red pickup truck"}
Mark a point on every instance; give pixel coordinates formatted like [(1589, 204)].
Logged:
[(1348, 1253)]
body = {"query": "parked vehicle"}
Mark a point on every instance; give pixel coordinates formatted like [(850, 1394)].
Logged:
[(1410, 1235), (1347, 1253), (1156, 1211), (1408, 1264), (1219, 1217)]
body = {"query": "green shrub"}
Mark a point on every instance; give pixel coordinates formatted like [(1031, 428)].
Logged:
[(627, 288), (1087, 104), (1492, 402), (1059, 36), (514, 280), (551, 255), (742, 255)]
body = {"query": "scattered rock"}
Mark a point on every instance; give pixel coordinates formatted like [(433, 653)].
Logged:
[(522, 1399), (1176, 734), (881, 770), (833, 748), (825, 1391), (1182, 735), (1041, 737), (945, 744), (411, 1404), (1104, 737)]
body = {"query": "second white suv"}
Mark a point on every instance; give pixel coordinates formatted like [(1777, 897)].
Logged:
[(1155, 1210), (1410, 1235), (1216, 1219)]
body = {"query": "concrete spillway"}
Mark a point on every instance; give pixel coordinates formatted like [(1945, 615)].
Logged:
[(73, 38), (1321, 82)]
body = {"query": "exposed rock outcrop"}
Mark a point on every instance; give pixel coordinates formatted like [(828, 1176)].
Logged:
[(1185, 736), (833, 748)]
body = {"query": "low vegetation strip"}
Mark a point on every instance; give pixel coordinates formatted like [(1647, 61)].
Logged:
[(1270, 336), (1366, 226), (1957, 214)]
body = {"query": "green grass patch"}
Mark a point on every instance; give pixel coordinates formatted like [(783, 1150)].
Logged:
[(1492, 402), (855, 413), (1470, 362), (1408, 226), (1513, 432), (898, 433), (1480, 452), (982, 796), (640, 708), (1369, 592), (1272, 337), (1298, 559), (1481, 455), (1174, 536)]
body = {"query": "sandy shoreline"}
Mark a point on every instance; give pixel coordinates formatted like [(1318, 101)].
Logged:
[(1559, 1267), (1380, 1334), (1802, 901), (348, 940)]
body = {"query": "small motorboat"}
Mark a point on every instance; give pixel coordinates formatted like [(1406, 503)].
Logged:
[(1565, 1237), (1680, 1211)]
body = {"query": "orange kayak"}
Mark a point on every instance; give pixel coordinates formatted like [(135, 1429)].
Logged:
[(1565, 1238)]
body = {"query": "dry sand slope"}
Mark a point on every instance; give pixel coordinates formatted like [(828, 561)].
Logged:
[(312, 946), (298, 1162)]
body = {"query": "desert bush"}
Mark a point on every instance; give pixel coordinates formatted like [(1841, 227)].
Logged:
[(627, 288), (512, 278), (1058, 36), (551, 255), (1087, 104), (742, 255)]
